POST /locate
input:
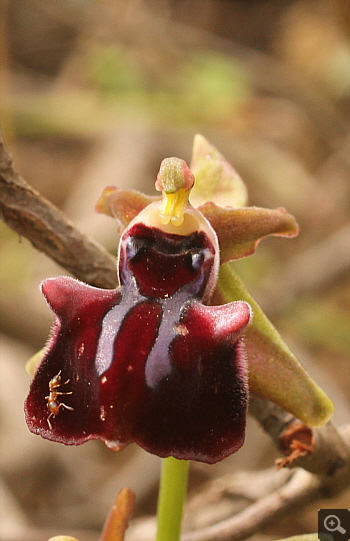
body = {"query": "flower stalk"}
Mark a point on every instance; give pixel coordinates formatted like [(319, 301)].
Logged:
[(171, 499)]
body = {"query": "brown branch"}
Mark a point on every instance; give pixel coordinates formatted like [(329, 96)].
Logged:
[(302, 489), (47, 228)]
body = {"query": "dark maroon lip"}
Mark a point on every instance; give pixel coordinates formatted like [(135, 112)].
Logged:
[(147, 362)]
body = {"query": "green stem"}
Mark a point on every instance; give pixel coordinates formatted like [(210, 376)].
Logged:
[(172, 495)]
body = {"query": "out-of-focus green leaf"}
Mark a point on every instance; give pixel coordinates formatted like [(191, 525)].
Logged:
[(111, 70), (321, 322), (218, 86)]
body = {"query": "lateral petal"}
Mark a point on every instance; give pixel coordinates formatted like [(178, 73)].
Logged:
[(123, 205), (240, 230)]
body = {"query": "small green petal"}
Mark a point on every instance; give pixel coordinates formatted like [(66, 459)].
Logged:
[(216, 180), (274, 372), (240, 230)]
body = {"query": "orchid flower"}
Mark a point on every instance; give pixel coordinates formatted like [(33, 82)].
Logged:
[(153, 361)]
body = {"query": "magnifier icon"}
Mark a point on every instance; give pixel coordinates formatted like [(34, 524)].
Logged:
[(332, 524)]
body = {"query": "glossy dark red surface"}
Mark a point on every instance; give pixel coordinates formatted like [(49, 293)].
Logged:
[(147, 362), (163, 263)]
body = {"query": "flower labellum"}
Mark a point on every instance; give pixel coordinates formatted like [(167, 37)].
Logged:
[(274, 372), (149, 362)]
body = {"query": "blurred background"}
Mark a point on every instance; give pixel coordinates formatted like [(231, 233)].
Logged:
[(97, 93)]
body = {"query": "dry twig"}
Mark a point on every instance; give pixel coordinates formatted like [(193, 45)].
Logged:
[(303, 488), (49, 230), (328, 471)]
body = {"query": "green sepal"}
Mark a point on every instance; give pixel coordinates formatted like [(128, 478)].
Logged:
[(216, 179), (274, 372), (34, 362)]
